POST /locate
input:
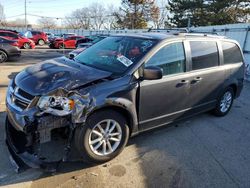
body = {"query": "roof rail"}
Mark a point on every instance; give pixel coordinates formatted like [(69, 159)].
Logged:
[(180, 30), (202, 34), (187, 32)]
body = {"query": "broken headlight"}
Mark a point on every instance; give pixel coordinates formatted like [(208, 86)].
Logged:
[(56, 105)]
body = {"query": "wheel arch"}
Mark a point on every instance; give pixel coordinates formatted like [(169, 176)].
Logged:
[(130, 118), (234, 87), (4, 52)]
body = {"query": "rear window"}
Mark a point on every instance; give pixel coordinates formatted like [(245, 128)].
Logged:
[(204, 54), (231, 53)]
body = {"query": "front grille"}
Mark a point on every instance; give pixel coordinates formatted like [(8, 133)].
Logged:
[(19, 97), (25, 94), (20, 104)]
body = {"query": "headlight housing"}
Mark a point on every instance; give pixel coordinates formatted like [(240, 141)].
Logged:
[(56, 105)]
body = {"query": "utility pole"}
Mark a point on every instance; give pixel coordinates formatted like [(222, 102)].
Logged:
[(189, 24), (25, 14)]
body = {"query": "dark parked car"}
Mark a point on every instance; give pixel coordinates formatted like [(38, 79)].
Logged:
[(8, 49), (83, 41), (81, 46), (117, 88), (89, 41)]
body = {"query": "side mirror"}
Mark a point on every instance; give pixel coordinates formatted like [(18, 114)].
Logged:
[(71, 56), (152, 73)]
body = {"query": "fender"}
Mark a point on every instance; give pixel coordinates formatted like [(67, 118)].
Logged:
[(124, 105)]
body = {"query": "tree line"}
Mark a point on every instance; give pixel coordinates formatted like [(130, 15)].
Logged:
[(140, 14)]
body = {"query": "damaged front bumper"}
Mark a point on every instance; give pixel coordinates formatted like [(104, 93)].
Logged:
[(23, 159), (29, 130), (24, 154)]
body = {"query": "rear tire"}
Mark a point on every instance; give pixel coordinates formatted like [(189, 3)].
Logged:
[(3, 56), (51, 46), (26, 45), (224, 102), (41, 42), (90, 139)]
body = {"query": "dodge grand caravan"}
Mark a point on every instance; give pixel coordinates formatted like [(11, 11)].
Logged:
[(117, 88)]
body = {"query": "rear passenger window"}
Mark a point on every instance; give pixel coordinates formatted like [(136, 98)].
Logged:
[(231, 53), (170, 58), (204, 54)]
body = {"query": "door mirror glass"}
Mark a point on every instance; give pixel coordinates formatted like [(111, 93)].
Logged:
[(152, 73)]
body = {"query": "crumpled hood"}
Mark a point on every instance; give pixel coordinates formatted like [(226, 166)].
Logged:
[(47, 76)]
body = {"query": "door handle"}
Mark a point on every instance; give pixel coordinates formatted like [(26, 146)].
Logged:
[(195, 80), (182, 82)]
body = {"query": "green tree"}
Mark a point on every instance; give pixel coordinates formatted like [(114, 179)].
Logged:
[(209, 12), (228, 11), (134, 14), (182, 10)]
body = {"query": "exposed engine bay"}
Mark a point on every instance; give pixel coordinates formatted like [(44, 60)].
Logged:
[(44, 121)]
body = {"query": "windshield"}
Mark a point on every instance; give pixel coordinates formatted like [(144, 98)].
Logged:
[(115, 54)]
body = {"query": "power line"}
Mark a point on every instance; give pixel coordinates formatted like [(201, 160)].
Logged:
[(14, 16)]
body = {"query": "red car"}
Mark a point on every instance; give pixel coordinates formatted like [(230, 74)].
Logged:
[(38, 37), (69, 42), (22, 41)]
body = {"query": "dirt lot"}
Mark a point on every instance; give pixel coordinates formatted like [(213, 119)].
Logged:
[(204, 151)]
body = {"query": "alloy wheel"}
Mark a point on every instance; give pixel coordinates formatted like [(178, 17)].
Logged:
[(3, 57), (41, 42), (26, 46), (226, 102), (105, 137)]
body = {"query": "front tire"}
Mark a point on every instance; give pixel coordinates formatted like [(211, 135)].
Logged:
[(61, 46), (224, 102), (26, 45), (103, 137), (3, 56)]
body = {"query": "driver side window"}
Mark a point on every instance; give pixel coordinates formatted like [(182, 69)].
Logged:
[(171, 58)]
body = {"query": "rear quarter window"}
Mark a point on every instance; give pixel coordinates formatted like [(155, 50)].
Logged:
[(204, 54), (231, 53)]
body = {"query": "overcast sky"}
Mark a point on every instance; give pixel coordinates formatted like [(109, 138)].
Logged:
[(51, 8)]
